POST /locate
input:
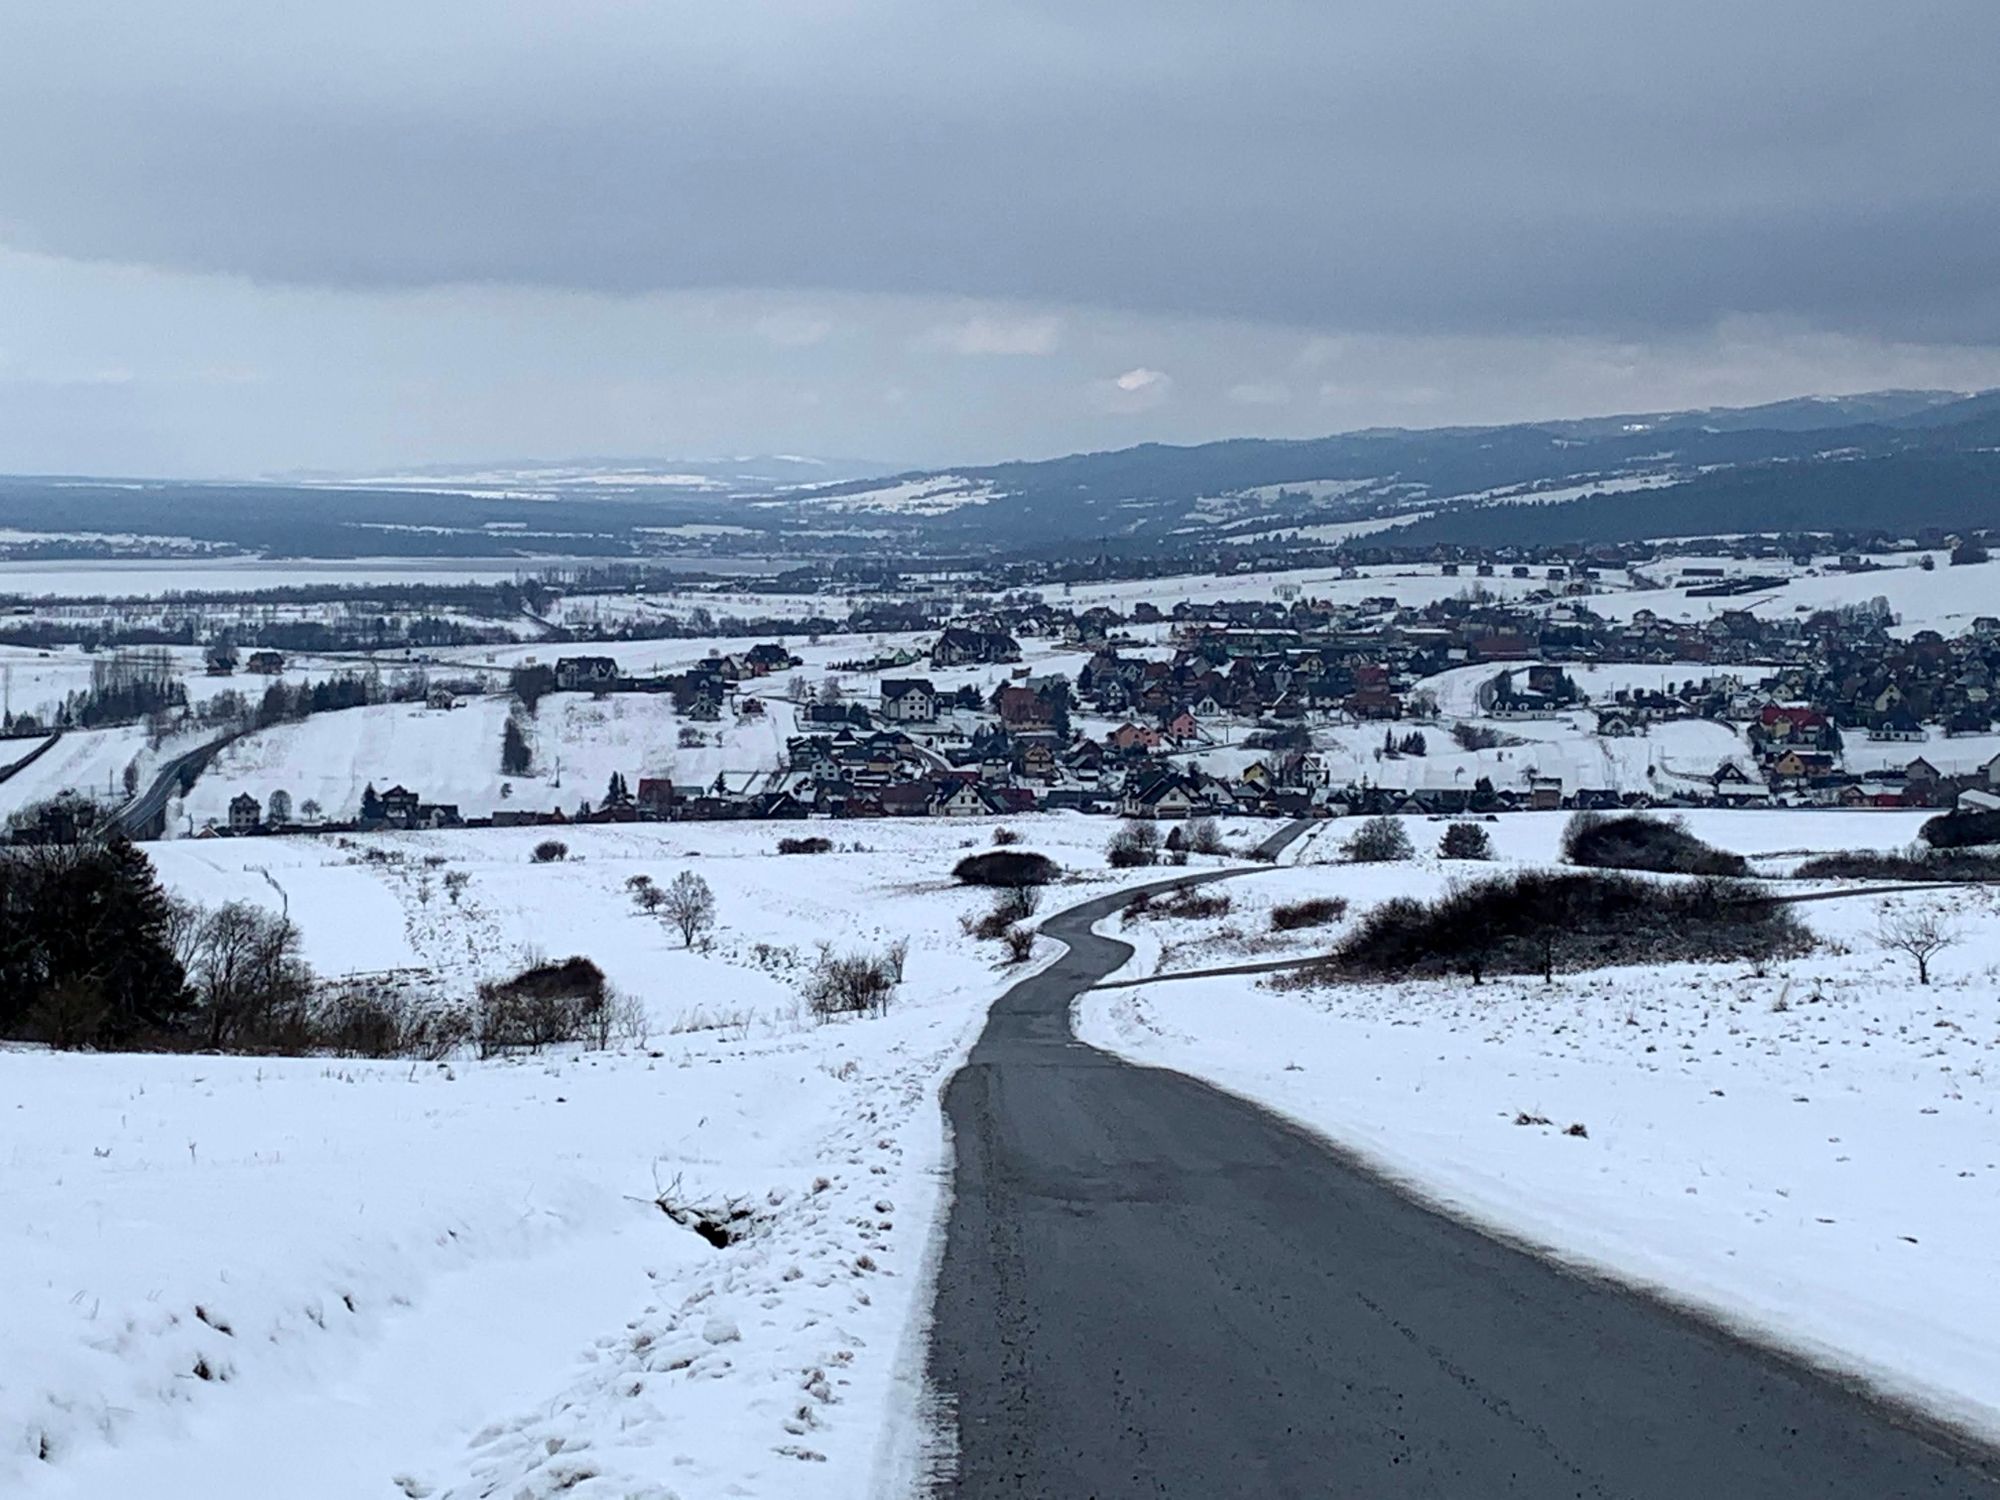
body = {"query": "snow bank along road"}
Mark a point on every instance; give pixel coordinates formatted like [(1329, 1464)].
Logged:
[(1150, 1287)]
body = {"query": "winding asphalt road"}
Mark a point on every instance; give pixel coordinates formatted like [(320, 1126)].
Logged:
[(1150, 1288)]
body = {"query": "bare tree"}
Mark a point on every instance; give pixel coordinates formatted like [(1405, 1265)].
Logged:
[(1922, 935), (689, 905), (249, 976)]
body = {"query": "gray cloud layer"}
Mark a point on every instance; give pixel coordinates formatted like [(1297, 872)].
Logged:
[(1567, 165)]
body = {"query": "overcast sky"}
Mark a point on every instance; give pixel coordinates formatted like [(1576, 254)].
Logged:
[(239, 236)]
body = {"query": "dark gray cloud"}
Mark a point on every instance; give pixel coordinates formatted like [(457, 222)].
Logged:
[(1589, 166)]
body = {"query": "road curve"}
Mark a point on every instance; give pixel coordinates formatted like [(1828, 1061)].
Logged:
[(1150, 1288)]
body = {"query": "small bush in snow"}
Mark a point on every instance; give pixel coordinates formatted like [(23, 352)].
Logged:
[(804, 846), (1203, 837), (1020, 944), (1315, 911), (1011, 905), (1378, 841), (1955, 830), (1465, 841), (1006, 867), (647, 896), (1189, 903), (548, 851), (850, 984), (544, 1004), (1634, 841), (1134, 845), (1002, 837)]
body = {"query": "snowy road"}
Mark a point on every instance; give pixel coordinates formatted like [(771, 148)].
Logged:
[(1150, 1287)]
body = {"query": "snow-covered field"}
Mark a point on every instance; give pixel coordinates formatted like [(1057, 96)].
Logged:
[(454, 755), (1805, 1149), (239, 1277)]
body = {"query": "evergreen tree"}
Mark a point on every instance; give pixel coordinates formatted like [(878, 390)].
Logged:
[(516, 759)]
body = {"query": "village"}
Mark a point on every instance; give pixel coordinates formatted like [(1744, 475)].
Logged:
[(1279, 707)]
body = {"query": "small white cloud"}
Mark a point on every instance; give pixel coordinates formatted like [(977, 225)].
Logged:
[(1261, 393), (996, 335), (788, 330), (1139, 389)]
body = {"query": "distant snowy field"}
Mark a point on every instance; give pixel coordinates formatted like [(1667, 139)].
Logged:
[(454, 755), (1808, 1151), (245, 1278)]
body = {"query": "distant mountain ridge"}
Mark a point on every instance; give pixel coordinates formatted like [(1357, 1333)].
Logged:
[(1889, 461), (1441, 480)]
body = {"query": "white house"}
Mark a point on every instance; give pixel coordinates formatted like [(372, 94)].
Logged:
[(908, 700)]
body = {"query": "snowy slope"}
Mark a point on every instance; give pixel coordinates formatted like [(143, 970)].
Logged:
[(454, 755), (451, 1280)]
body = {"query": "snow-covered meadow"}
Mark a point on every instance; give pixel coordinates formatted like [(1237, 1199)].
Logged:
[(242, 1277), (1805, 1149)]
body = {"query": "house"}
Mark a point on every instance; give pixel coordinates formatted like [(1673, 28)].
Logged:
[(767, 657), (656, 797), (441, 698), (245, 813), (1021, 707), (1037, 761), (1897, 724), (1615, 726), (960, 646), (269, 663), (585, 673), (1545, 793), (958, 799), (400, 806), (438, 815), (1162, 794), (908, 700), (1128, 738)]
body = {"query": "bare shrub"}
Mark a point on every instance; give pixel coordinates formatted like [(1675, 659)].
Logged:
[(1010, 906), (1020, 943), (1002, 837), (378, 1018), (253, 988), (544, 1004), (1537, 921), (722, 1223), (1204, 837), (1134, 845), (548, 851), (646, 895), (1189, 903), (1314, 911), (856, 983), (1918, 934), (804, 845), (1919, 864)]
